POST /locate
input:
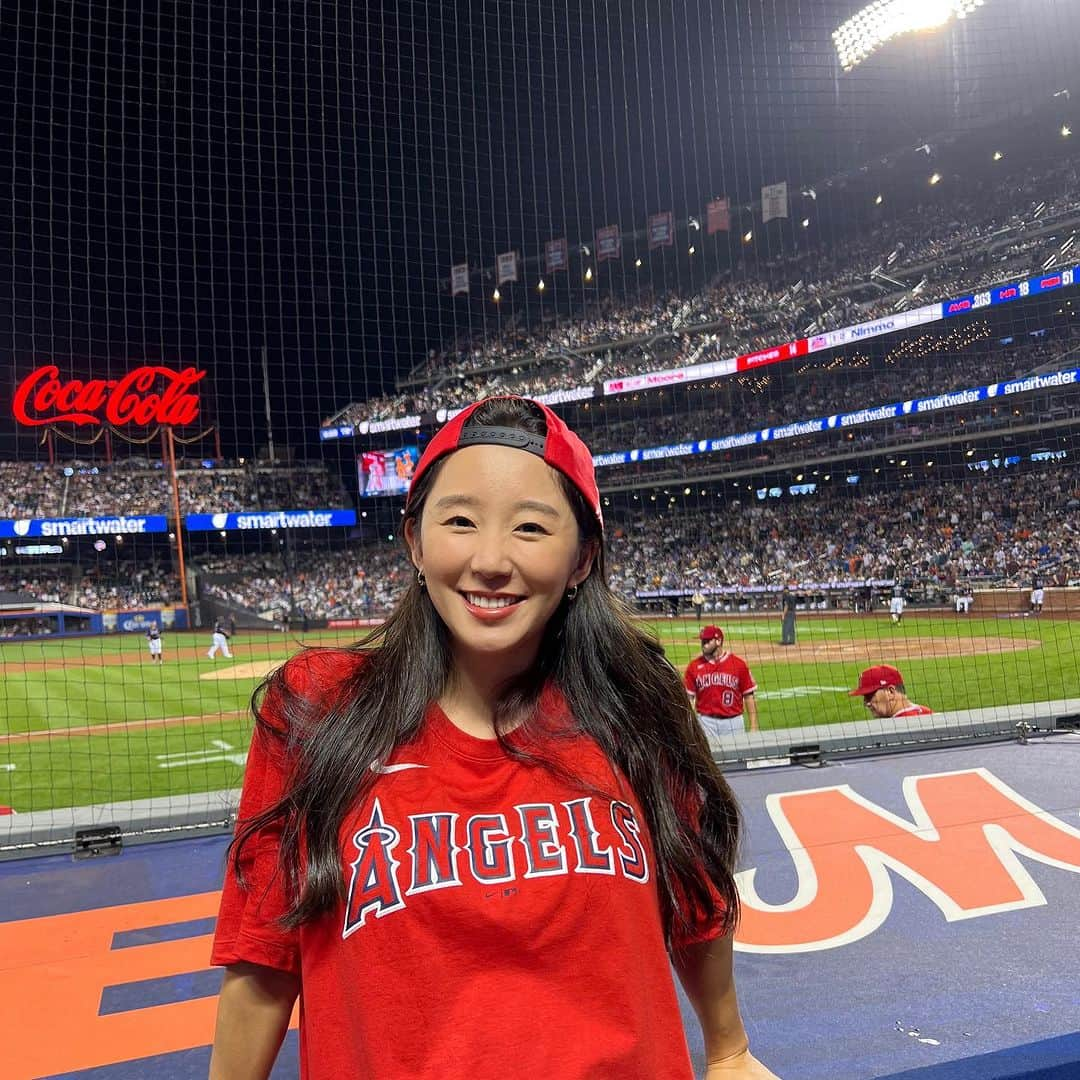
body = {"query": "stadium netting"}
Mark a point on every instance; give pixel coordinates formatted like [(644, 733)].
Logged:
[(805, 287)]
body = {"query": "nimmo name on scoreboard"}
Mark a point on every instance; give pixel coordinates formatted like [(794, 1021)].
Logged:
[(86, 526)]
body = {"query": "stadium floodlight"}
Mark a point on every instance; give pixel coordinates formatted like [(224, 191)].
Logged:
[(496, 295), (540, 286), (878, 23), (935, 178), (588, 273)]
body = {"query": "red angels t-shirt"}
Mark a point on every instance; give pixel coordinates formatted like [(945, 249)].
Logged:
[(719, 685), (499, 921)]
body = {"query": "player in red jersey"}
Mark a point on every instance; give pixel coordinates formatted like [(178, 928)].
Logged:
[(882, 689), (720, 685), (432, 820)]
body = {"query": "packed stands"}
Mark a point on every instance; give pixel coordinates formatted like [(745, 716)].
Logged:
[(997, 530), (121, 587), (933, 252), (134, 486)]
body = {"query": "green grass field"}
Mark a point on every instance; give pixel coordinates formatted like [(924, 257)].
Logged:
[(52, 689)]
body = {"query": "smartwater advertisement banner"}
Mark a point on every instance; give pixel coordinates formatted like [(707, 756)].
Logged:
[(269, 519), (121, 525)]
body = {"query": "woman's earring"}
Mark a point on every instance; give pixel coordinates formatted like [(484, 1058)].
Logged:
[(571, 594), (420, 579)]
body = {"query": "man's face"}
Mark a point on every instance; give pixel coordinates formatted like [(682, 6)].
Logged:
[(710, 647), (882, 703)]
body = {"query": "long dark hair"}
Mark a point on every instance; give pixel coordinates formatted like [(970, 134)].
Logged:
[(621, 690)]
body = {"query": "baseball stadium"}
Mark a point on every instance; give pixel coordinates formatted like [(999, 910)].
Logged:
[(801, 275)]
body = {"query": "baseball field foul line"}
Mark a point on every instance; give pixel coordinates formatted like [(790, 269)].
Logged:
[(126, 725)]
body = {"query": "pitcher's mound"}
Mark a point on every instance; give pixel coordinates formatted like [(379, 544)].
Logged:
[(251, 669)]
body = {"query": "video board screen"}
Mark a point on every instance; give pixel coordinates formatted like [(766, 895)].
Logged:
[(386, 472)]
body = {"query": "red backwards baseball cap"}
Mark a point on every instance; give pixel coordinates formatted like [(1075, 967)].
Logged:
[(560, 448), (874, 678), (709, 633)]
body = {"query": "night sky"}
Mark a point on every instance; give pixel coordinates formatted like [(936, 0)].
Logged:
[(191, 183)]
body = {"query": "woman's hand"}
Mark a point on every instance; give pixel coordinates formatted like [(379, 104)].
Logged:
[(743, 1065)]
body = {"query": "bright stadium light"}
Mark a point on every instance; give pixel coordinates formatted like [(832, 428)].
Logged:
[(588, 273), (496, 295), (878, 23), (879, 200), (540, 286), (748, 236), (998, 155), (637, 263), (1066, 131), (935, 178)]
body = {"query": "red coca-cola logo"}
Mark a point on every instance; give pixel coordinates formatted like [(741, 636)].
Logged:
[(146, 395)]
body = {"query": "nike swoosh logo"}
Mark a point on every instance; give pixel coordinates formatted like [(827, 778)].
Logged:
[(400, 767)]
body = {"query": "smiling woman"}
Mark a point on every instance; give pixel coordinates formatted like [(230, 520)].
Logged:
[(505, 759)]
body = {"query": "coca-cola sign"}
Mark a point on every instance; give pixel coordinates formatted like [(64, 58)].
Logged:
[(147, 395)]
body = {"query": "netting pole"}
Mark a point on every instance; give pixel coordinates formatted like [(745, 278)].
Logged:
[(176, 513)]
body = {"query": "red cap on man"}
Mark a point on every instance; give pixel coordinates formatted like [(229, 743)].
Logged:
[(874, 678), (711, 633)]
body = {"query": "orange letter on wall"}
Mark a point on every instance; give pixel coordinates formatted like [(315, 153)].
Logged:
[(52, 974), (960, 851)]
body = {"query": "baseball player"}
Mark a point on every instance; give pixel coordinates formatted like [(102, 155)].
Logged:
[(153, 641), (1037, 596), (882, 689), (720, 685), (698, 601), (221, 642), (787, 626), (896, 608)]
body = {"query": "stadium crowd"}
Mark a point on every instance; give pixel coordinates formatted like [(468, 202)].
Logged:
[(141, 486), (122, 588), (1001, 529), (931, 253), (770, 397), (349, 583)]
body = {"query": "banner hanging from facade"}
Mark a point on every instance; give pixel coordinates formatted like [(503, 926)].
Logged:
[(661, 229), (506, 267), (556, 255), (717, 216), (459, 279), (774, 201), (608, 243)]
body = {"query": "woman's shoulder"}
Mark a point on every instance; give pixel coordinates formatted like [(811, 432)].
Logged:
[(308, 685), (316, 671)]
